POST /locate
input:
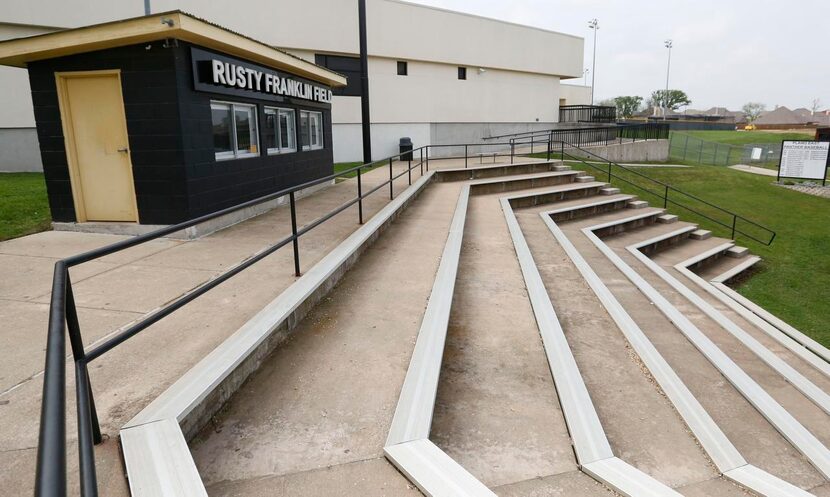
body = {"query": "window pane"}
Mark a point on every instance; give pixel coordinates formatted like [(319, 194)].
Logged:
[(318, 129), (270, 131), (222, 138), (304, 129), (315, 126), (402, 68), (246, 135), (287, 133)]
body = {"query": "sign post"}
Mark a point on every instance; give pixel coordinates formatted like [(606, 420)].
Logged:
[(802, 159)]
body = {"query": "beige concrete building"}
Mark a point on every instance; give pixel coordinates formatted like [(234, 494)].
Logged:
[(435, 75)]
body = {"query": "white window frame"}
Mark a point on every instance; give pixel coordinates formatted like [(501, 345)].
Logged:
[(236, 153), (307, 139), (277, 111)]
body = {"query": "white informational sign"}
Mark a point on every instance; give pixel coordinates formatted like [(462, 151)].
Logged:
[(756, 153), (803, 159)]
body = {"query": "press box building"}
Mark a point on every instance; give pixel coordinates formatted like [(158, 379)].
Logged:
[(435, 75)]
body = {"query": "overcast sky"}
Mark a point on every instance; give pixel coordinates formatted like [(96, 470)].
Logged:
[(726, 52)]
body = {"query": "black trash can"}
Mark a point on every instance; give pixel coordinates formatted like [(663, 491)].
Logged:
[(406, 146)]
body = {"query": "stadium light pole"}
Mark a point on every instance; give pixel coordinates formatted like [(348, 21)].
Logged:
[(594, 24), (667, 44)]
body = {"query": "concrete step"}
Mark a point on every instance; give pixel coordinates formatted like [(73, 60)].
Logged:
[(626, 220), (584, 179), (667, 219), (536, 197), (521, 182), (494, 171), (637, 204), (737, 252), (609, 191), (700, 234), (589, 206)]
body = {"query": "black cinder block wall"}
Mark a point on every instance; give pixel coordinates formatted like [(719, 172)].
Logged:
[(175, 171)]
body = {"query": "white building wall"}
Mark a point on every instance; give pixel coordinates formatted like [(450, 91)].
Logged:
[(518, 89), (575, 94)]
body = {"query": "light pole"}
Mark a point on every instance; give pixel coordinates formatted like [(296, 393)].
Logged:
[(594, 24), (667, 44)]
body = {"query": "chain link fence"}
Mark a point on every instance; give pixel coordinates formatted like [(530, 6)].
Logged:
[(687, 148)]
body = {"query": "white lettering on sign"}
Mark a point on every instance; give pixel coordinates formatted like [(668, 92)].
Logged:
[(804, 159), (236, 76)]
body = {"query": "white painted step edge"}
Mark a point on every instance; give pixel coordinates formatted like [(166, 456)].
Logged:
[(736, 269), (763, 483), (796, 379), (650, 213), (158, 449), (566, 187), (627, 480), (156, 455), (708, 253), (413, 414), (722, 452), (801, 438), (800, 344), (489, 167), (521, 177), (604, 201), (589, 439), (434, 472)]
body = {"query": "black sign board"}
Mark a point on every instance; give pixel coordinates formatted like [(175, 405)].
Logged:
[(217, 73)]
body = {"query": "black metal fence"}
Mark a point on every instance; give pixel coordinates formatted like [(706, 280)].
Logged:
[(587, 114), (51, 475), (535, 141)]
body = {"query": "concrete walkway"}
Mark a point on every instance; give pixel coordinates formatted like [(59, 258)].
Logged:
[(323, 402), (754, 170), (118, 289)]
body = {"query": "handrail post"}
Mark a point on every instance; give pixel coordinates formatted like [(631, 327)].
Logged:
[(295, 241), (427, 158), (548, 155), (86, 452), (734, 221), (409, 169), (422, 161), (391, 181), (609, 171), (359, 198), (465, 156), (666, 197), (512, 145), (77, 345)]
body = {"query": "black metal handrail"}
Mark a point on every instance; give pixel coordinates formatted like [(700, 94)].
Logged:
[(50, 480), (621, 131), (665, 196), (587, 113)]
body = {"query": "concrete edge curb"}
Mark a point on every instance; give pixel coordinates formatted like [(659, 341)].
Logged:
[(590, 442), (720, 449), (801, 438), (154, 446), (817, 350), (777, 364), (738, 269), (589, 439), (724, 454), (407, 445), (413, 413)]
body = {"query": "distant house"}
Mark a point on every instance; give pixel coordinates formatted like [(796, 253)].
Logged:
[(782, 118)]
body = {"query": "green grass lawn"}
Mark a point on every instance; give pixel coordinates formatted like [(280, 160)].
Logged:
[(24, 208), (793, 281), (746, 137)]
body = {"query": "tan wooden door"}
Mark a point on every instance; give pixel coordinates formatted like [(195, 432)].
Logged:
[(92, 111)]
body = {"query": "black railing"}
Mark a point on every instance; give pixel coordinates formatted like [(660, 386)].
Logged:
[(586, 137), (63, 316), (587, 114), (733, 223)]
